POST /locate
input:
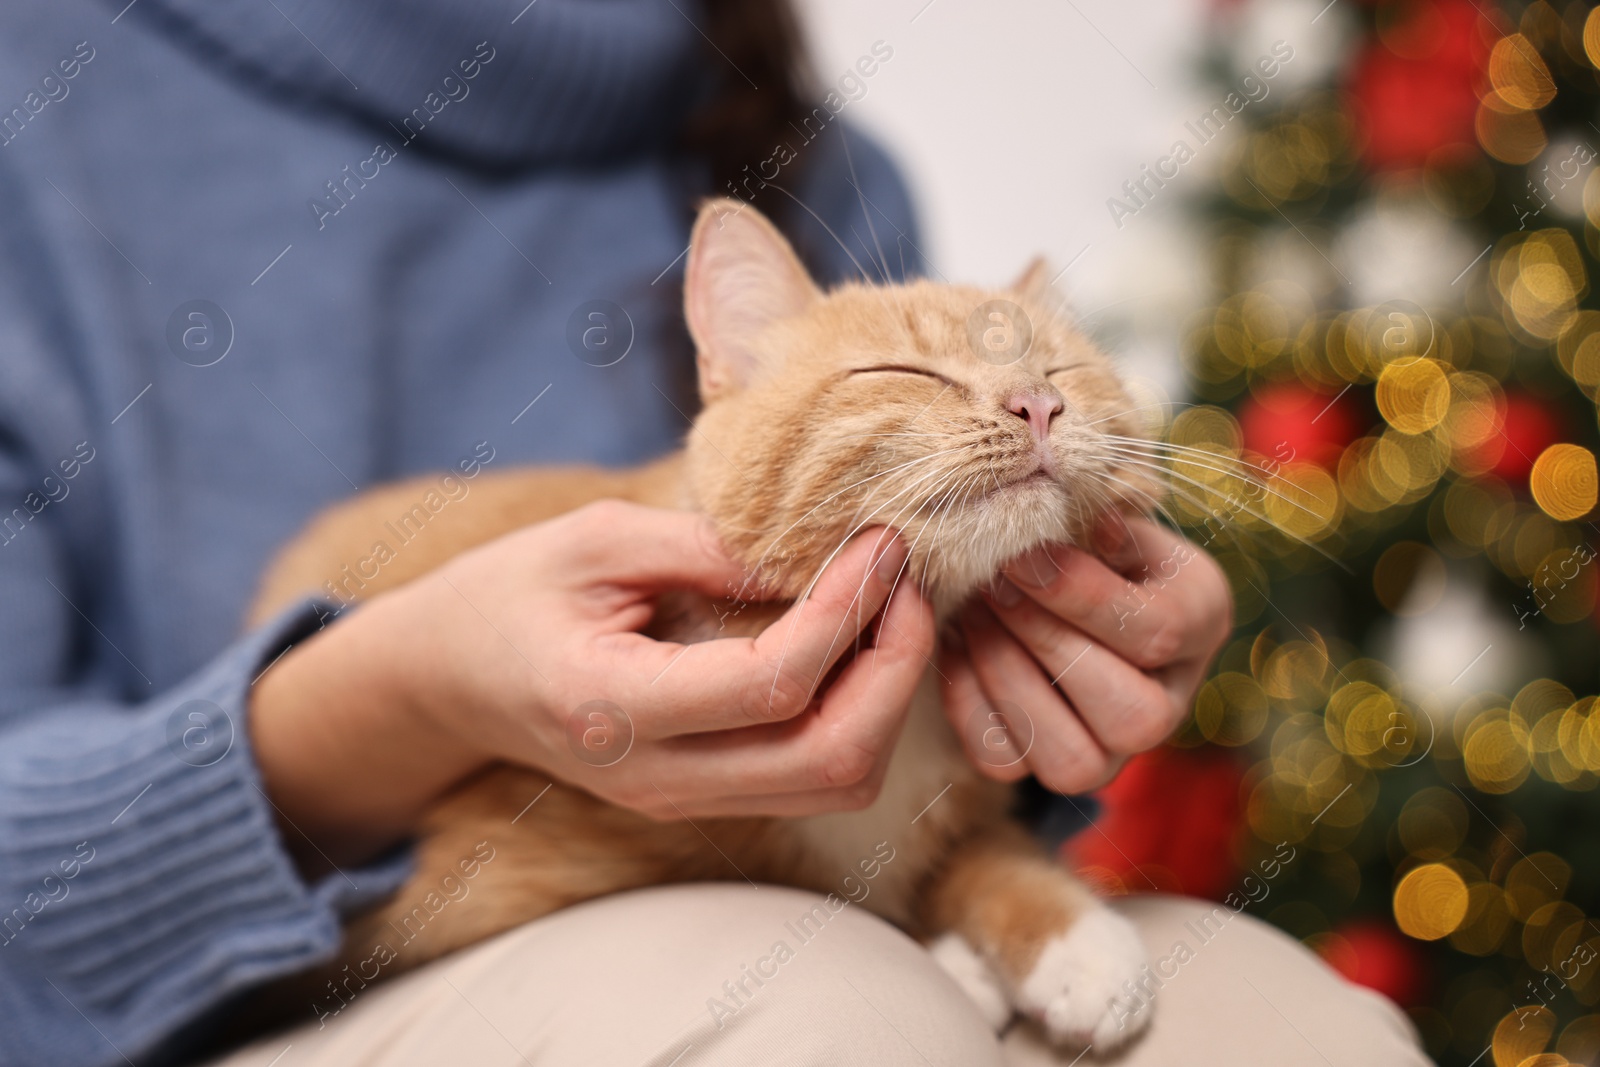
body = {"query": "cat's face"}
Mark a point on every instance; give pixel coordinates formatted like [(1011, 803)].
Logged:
[(924, 407)]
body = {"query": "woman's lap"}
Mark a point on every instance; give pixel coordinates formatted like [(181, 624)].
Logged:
[(698, 976)]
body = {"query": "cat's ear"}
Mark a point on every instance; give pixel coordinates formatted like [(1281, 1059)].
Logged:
[(742, 277), (1034, 281)]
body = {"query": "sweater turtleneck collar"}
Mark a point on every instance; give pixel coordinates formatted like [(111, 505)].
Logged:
[(554, 82)]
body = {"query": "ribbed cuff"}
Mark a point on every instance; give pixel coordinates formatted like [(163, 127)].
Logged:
[(142, 860)]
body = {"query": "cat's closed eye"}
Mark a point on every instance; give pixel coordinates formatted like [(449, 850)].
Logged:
[(896, 368)]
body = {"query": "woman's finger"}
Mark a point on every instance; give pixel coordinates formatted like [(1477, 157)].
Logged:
[(1172, 613), (1063, 754), (728, 683), (653, 549), (996, 755), (1126, 709), (841, 743)]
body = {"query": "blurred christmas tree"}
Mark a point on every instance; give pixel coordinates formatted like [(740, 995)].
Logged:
[(1405, 225)]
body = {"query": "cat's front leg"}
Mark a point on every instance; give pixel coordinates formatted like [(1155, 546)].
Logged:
[(1010, 923)]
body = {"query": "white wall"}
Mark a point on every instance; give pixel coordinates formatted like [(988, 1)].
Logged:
[(1015, 120)]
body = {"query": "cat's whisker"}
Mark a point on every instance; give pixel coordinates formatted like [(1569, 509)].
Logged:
[(859, 436), (921, 478), (1202, 487), (1225, 472), (1212, 461), (941, 512), (1179, 492), (1181, 450), (1154, 502), (1141, 407), (1173, 446), (1240, 507), (829, 229), (912, 551), (783, 653), (862, 197), (773, 545), (893, 523), (1172, 521), (946, 509), (1186, 450)]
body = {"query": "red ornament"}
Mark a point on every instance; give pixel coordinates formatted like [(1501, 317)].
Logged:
[(1523, 428), (1172, 818), (1373, 954), (1292, 424), (1417, 90)]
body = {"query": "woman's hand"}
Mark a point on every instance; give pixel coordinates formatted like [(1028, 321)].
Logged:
[(1073, 663), (503, 654)]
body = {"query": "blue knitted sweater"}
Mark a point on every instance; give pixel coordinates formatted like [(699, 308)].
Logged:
[(255, 257)]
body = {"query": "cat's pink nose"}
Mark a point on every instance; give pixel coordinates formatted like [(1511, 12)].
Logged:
[(1036, 409)]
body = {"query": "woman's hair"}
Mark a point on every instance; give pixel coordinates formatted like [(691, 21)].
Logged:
[(765, 85)]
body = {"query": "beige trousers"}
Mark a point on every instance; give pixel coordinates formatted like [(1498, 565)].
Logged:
[(634, 980)]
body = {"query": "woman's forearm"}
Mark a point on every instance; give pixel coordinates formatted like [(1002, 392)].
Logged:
[(346, 757)]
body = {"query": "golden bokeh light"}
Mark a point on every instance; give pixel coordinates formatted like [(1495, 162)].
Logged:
[(1488, 921), (1507, 132), (1413, 395), (1534, 881), (1469, 509), (1433, 823), (1207, 425), (1564, 586), (1297, 670), (1359, 718), (1591, 37), (1477, 407), (1231, 709), (1304, 501), (1564, 481), (1578, 347), (1430, 902), (1519, 74), (1580, 1041), (1551, 933), (1495, 758), (1540, 276), (1522, 1035)]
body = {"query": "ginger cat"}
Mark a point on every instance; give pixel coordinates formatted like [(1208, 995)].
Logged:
[(925, 407)]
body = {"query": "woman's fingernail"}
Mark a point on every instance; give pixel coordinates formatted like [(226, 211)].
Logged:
[(1111, 534), (1037, 569), (1005, 594), (893, 558)]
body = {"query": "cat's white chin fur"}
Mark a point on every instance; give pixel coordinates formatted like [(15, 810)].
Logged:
[(1078, 977), (963, 964), (976, 546)]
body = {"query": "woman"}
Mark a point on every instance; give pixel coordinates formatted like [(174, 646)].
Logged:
[(262, 255)]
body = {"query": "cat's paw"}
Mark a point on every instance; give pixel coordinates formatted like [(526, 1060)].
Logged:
[(973, 975), (1078, 977)]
